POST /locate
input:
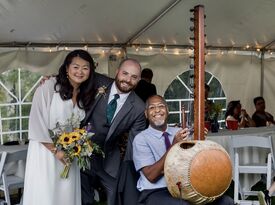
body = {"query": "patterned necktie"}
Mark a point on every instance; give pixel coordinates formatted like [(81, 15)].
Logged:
[(166, 140), (111, 108)]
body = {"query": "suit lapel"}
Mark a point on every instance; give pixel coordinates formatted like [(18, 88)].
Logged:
[(125, 109), (98, 98)]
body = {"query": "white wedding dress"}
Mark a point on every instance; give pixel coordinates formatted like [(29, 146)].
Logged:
[(43, 184)]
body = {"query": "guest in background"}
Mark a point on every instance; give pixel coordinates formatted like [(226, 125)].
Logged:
[(234, 112), (208, 103), (260, 116), (144, 87)]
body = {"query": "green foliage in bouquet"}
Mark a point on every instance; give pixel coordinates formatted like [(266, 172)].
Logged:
[(76, 143)]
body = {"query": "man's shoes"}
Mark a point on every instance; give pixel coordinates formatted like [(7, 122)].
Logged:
[(264, 198)]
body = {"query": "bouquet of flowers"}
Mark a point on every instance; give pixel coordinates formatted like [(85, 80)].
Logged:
[(75, 143)]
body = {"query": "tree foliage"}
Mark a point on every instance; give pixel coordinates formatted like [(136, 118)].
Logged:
[(13, 80)]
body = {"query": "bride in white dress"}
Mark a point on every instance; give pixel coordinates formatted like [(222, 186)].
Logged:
[(55, 101)]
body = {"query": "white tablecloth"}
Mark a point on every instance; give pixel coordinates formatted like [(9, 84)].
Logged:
[(247, 155), (14, 168)]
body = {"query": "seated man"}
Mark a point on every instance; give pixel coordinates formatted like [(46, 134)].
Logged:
[(149, 152), (260, 116)]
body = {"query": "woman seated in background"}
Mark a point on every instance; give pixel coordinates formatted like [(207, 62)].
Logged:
[(234, 112)]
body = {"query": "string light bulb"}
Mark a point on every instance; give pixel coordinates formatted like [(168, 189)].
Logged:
[(176, 52), (190, 52)]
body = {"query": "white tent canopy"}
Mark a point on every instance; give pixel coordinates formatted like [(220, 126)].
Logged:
[(231, 25)]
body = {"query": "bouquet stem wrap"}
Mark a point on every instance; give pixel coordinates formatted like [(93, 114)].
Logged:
[(65, 173)]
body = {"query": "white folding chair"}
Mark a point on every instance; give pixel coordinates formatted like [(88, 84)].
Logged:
[(8, 182), (259, 142)]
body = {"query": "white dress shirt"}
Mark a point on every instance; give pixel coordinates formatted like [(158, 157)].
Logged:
[(120, 101)]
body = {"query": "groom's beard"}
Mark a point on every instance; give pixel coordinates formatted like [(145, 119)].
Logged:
[(123, 86)]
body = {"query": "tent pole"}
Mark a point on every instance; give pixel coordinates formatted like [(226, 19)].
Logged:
[(152, 22), (262, 73)]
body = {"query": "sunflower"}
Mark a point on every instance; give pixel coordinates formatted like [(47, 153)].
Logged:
[(65, 139), (77, 150), (74, 136)]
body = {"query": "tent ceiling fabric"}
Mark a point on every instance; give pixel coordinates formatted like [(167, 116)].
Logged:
[(231, 23)]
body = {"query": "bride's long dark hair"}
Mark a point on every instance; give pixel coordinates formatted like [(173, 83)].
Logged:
[(86, 89)]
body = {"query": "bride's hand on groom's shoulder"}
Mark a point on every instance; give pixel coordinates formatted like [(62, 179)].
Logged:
[(44, 78)]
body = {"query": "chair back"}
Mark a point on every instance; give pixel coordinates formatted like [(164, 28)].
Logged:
[(10, 181), (11, 157), (3, 156), (16, 156), (240, 141), (252, 141)]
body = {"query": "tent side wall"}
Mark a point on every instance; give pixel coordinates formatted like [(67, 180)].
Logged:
[(238, 74)]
